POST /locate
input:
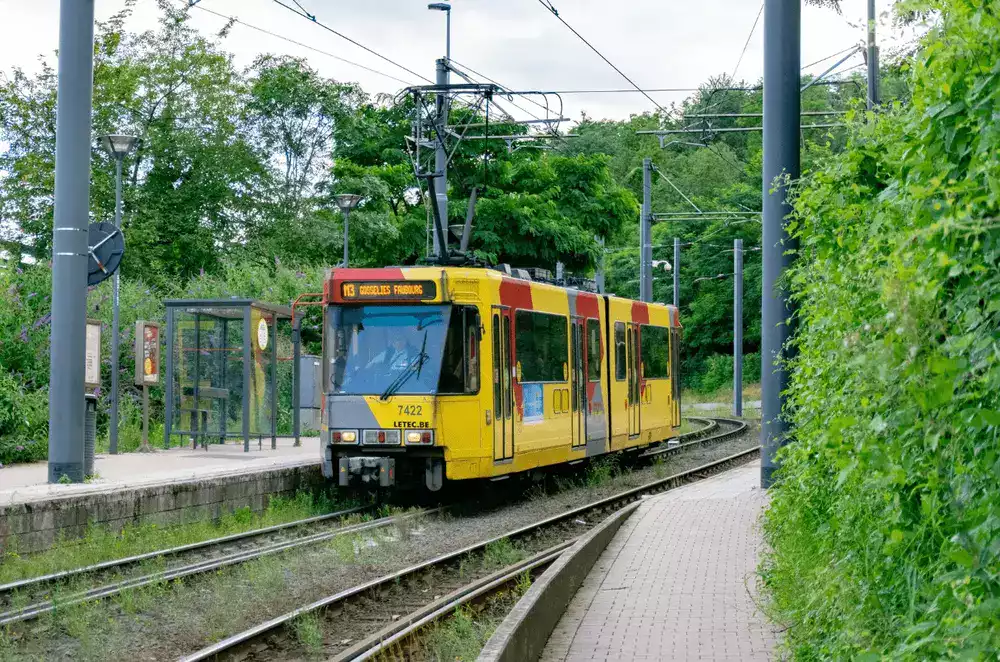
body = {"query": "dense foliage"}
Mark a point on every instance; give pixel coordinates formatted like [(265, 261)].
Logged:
[(231, 191), (886, 520)]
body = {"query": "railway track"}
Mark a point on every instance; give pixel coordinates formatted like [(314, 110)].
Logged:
[(384, 613), (27, 599)]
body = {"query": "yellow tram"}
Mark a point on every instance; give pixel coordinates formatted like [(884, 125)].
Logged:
[(452, 373)]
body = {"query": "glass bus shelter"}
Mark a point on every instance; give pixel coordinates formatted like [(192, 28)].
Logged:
[(222, 370)]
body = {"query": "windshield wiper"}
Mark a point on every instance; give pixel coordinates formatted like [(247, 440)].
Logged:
[(413, 367)]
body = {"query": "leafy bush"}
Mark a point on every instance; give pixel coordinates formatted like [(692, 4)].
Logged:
[(884, 523), (717, 372)]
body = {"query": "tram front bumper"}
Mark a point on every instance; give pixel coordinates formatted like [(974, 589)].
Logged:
[(371, 471)]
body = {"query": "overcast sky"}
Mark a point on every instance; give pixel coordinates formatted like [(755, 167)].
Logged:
[(516, 42)]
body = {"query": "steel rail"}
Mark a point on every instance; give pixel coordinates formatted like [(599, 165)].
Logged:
[(409, 625), (33, 611), (131, 560), (258, 631)]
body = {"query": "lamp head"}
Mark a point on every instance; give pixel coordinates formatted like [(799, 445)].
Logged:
[(440, 6), (118, 146), (348, 201)]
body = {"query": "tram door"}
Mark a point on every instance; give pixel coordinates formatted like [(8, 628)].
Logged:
[(634, 376), (503, 396), (578, 383)]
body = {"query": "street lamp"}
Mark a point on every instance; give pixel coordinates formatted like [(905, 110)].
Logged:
[(446, 8), (347, 202), (118, 147)]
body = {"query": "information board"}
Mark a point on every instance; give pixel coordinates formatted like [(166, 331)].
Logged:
[(402, 290), (92, 371), (147, 353)]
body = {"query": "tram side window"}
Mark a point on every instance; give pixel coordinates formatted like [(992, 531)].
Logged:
[(460, 369), (620, 351), (593, 350), (655, 352), (542, 346)]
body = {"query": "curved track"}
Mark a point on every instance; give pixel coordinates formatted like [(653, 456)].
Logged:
[(397, 605), (33, 597)]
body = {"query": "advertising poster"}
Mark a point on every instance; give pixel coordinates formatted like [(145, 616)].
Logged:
[(534, 403)]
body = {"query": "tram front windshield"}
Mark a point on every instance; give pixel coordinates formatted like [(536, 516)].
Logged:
[(386, 350)]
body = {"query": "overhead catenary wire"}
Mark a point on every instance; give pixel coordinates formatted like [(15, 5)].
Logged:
[(239, 21), (555, 12), (311, 18), (753, 29)]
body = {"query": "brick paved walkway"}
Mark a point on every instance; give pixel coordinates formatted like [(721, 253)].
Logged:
[(676, 582)]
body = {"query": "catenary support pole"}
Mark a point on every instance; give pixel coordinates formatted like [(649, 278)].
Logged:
[(601, 267), (347, 243), (646, 243), (738, 327), (297, 378), (440, 155), (69, 259), (115, 307), (872, 58), (677, 272), (782, 56)]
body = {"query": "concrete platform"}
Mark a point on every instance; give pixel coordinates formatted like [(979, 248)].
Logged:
[(677, 582), (166, 486)]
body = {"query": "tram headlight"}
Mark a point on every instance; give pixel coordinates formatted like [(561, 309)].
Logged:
[(425, 437), (344, 436)]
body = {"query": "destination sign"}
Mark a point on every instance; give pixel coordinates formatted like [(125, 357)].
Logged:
[(406, 290)]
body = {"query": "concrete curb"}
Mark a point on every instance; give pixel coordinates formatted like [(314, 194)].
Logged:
[(523, 634)]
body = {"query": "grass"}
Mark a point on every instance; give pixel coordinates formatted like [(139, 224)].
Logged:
[(723, 395), (602, 470), (502, 553), (308, 630), (103, 544), (463, 636)]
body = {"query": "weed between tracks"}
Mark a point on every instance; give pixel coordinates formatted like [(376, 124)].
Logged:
[(463, 636), (102, 544)]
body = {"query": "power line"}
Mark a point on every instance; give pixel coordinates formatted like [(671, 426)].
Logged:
[(310, 17), (554, 12), (829, 57), (746, 45), (299, 43)]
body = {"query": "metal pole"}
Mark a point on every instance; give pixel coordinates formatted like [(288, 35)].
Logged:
[(782, 56), (440, 155), (247, 362), (145, 418), (677, 272), (297, 379), (447, 47), (274, 382), (69, 266), (601, 267), (115, 307), (738, 328), (646, 244), (168, 395), (872, 58), (347, 218)]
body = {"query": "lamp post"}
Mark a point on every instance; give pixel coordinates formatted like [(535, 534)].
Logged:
[(347, 202), (118, 147), (446, 8)]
